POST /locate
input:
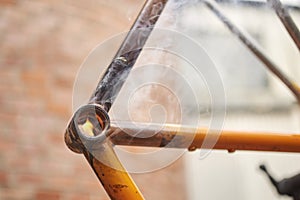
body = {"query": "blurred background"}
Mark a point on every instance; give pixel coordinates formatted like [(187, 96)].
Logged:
[(43, 44)]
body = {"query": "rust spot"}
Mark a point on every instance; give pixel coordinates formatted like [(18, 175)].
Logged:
[(231, 150), (192, 148), (119, 186)]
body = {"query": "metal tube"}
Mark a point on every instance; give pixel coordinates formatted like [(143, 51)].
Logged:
[(116, 181), (286, 20), (117, 72), (87, 131), (254, 47), (192, 138), (87, 134)]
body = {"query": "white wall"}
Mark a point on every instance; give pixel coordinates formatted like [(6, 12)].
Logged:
[(235, 176)]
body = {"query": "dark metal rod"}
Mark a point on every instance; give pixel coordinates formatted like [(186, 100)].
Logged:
[(254, 47), (117, 72), (87, 130), (286, 20)]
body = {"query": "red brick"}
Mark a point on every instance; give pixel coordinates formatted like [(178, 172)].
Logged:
[(3, 178), (15, 194), (8, 2), (8, 120), (47, 195), (30, 179), (61, 182), (56, 138), (20, 162), (34, 77), (7, 145), (63, 82), (59, 109), (80, 197)]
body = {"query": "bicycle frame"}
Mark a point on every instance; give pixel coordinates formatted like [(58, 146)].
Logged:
[(91, 133)]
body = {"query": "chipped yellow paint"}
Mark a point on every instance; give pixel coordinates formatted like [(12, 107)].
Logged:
[(113, 176), (87, 128), (296, 86)]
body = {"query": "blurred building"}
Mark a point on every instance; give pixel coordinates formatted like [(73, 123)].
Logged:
[(255, 99)]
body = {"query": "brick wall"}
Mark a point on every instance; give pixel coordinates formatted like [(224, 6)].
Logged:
[(43, 44)]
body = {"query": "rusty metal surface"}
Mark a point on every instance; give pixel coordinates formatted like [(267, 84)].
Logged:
[(117, 72), (175, 136), (90, 140), (98, 142)]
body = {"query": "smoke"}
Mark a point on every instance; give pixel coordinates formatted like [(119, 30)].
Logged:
[(163, 69), (166, 84), (172, 14)]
